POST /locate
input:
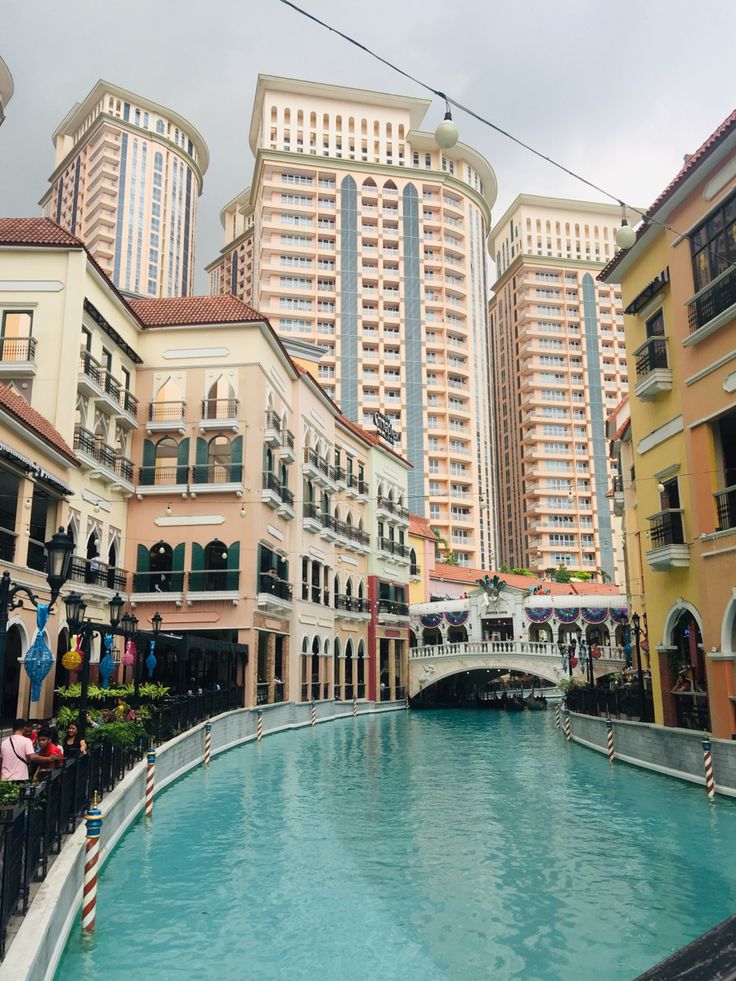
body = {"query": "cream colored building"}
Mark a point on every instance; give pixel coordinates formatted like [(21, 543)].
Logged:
[(126, 179), (559, 367), (6, 89), (359, 234)]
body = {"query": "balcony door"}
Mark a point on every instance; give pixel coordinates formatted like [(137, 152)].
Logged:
[(16, 335)]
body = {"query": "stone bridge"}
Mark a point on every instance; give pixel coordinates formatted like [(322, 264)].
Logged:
[(428, 665)]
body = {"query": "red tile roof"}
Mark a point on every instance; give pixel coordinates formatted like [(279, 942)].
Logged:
[(691, 163), (421, 527), (37, 232), (184, 310), (16, 406), (454, 573)]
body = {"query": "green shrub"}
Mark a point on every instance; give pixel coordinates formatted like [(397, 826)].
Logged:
[(124, 735), (9, 793)]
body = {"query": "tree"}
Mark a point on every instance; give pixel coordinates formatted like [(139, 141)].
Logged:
[(562, 574), (504, 567), (581, 576), (521, 571), (443, 553)]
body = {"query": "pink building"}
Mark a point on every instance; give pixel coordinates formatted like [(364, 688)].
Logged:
[(127, 176)]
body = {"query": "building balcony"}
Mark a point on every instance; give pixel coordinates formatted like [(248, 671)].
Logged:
[(102, 461), (94, 573), (218, 585), (158, 587), (111, 397), (667, 536), (277, 496), (618, 496), (726, 508), (355, 486), (219, 414), (394, 549), (160, 479), (393, 513), (166, 417), (221, 478), (713, 306), (286, 450), (312, 518), (272, 431), (328, 529), (392, 611), (653, 374), (274, 593), (17, 357), (317, 468), (351, 608)]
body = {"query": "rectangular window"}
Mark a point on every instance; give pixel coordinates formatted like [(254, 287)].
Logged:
[(713, 244)]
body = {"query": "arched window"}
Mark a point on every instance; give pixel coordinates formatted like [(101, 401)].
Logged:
[(161, 561), (220, 402), (360, 589), (166, 451), (215, 565), (413, 566), (369, 183), (219, 459), (349, 687), (349, 587), (337, 586), (389, 185)]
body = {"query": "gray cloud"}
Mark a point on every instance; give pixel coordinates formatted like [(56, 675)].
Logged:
[(618, 91)]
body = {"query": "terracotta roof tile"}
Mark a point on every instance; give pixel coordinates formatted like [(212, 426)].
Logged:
[(36, 231), (691, 163), (16, 406), (185, 310), (421, 527)]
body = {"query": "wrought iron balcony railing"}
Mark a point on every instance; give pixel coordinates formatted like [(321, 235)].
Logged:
[(712, 301)]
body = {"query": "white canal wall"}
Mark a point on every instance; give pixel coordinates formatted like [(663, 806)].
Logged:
[(36, 949)]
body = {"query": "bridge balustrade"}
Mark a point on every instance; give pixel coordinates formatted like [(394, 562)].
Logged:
[(504, 648)]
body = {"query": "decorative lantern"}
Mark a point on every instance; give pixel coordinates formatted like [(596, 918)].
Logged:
[(73, 657), (129, 654), (573, 661), (39, 659), (151, 659), (107, 665)]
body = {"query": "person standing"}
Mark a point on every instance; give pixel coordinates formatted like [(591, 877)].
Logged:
[(17, 752)]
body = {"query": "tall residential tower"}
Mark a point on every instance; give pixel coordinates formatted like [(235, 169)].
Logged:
[(559, 367), (360, 234), (127, 176)]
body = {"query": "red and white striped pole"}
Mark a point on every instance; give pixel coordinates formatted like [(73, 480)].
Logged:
[(259, 727), (313, 715), (609, 740), (557, 717), (207, 743), (93, 818), (568, 731), (355, 708), (710, 784), (150, 777)]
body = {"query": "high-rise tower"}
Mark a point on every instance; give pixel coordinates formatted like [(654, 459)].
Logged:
[(559, 367), (360, 234), (126, 180)]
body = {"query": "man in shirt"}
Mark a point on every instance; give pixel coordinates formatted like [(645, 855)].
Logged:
[(17, 752), (48, 748)]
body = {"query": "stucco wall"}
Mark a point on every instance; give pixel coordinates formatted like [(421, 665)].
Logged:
[(675, 752), (37, 947)]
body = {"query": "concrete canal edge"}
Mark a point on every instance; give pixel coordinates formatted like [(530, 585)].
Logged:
[(672, 752), (36, 949)]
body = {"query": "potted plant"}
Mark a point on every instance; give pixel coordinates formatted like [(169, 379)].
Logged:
[(9, 799)]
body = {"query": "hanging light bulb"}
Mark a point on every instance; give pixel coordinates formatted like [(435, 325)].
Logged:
[(242, 512), (224, 555), (97, 542), (161, 549), (28, 504), (168, 510), (446, 134), (625, 236), (96, 508)]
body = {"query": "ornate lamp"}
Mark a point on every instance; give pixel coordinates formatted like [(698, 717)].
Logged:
[(75, 610), (59, 555), (115, 607)]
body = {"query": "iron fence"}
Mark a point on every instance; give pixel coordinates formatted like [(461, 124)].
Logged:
[(628, 702)]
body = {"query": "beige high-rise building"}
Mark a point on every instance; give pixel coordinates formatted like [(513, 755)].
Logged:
[(360, 234), (127, 176), (559, 368)]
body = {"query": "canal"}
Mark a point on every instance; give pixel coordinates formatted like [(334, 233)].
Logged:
[(423, 845)]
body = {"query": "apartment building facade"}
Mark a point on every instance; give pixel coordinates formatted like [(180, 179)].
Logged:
[(558, 368), (679, 294), (208, 478), (127, 177), (357, 233)]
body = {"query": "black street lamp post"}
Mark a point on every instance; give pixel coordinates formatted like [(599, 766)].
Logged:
[(58, 559), (636, 622)]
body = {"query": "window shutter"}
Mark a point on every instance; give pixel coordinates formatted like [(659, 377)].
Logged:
[(182, 463), (233, 566), (177, 569), (149, 463), (236, 459), (143, 569), (200, 475)]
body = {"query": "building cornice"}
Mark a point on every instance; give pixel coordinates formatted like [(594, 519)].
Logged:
[(526, 258)]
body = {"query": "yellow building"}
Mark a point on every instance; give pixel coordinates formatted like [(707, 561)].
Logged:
[(679, 293)]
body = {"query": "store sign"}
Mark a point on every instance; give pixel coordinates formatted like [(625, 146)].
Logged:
[(384, 427)]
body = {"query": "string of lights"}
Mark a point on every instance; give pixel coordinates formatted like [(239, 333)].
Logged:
[(626, 236)]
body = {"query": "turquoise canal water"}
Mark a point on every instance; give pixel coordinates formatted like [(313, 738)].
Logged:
[(422, 845)]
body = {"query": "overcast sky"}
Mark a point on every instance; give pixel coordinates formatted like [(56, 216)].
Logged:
[(616, 90)]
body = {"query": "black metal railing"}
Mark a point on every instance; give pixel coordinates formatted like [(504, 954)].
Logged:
[(268, 583), (311, 511), (666, 528), (626, 702), (90, 367), (395, 548), (273, 420), (272, 482), (351, 533), (287, 439), (155, 476), (129, 402), (96, 573), (166, 411), (93, 446), (393, 607), (262, 693), (107, 382), (719, 297), (214, 580), (317, 461), (338, 474), (726, 507), (651, 356), (7, 547), (217, 473), (219, 408), (17, 348), (617, 485), (158, 582), (357, 483), (352, 604), (388, 505)]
